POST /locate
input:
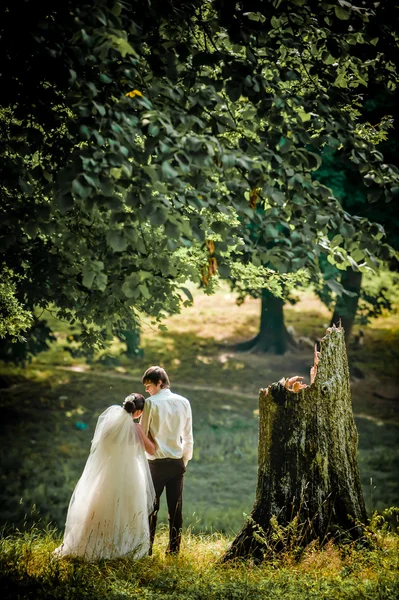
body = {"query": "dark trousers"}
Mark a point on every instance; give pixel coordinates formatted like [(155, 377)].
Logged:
[(168, 473)]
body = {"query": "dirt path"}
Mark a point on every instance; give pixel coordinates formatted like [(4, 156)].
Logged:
[(183, 386)]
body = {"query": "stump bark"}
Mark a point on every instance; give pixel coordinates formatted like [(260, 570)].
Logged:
[(307, 457)]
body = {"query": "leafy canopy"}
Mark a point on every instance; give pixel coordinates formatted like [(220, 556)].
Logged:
[(148, 144)]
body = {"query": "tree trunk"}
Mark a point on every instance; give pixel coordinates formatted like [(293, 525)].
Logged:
[(307, 457), (132, 341), (273, 335), (346, 306)]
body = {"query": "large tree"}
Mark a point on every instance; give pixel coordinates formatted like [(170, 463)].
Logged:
[(341, 289), (126, 171), (380, 108)]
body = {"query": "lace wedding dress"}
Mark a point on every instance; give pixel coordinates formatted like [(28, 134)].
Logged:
[(108, 512)]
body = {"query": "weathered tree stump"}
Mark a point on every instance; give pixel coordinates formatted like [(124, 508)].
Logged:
[(307, 457)]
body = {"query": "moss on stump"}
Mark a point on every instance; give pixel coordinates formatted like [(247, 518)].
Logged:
[(307, 456)]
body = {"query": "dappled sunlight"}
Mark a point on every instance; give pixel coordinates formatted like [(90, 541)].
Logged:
[(331, 571), (215, 317), (310, 303)]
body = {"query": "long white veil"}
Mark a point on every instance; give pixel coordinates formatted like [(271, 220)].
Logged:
[(108, 512)]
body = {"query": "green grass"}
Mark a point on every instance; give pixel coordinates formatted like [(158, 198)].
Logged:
[(197, 348), (44, 451), (28, 570), (49, 411)]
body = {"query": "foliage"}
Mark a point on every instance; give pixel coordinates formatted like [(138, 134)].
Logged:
[(132, 134), (14, 319), (379, 106), (27, 570)]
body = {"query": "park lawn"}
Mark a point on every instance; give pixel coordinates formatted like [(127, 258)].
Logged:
[(50, 410)]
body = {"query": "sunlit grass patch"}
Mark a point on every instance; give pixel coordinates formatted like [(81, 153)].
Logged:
[(28, 569)]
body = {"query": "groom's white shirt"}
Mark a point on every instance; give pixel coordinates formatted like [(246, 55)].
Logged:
[(167, 417)]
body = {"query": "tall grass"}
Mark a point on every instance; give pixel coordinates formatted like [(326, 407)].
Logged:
[(352, 571)]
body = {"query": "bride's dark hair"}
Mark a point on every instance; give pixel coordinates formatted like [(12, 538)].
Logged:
[(133, 402)]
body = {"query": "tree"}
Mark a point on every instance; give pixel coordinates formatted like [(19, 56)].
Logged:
[(308, 477), (380, 108), (341, 290), (273, 336), (122, 156)]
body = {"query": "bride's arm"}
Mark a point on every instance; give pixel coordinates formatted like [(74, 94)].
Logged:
[(149, 446)]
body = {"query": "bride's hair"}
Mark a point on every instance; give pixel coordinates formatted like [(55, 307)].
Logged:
[(133, 402)]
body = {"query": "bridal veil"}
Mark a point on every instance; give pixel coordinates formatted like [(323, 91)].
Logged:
[(108, 512)]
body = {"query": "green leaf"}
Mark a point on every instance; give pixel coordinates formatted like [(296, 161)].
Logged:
[(168, 171), (116, 240), (158, 217), (224, 270), (304, 116), (100, 108), (188, 293), (278, 197), (337, 239), (104, 78), (357, 255), (341, 13), (144, 291), (130, 286), (80, 190), (171, 230), (88, 276), (327, 58), (101, 281), (153, 129), (275, 22), (65, 203), (335, 286), (122, 45), (228, 160), (322, 219), (341, 81), (347, 230)]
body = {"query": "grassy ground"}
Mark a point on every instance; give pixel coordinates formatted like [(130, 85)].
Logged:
[(28, 570), (50, 409)]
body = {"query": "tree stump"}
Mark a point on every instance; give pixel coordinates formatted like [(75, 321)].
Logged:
[(307, 457)]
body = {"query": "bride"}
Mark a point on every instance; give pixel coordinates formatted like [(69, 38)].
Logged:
[(108, 512)]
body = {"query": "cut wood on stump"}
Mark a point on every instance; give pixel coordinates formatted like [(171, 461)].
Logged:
[(307, 457)]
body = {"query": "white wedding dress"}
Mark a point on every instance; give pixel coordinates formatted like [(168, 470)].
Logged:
[(108, 512)]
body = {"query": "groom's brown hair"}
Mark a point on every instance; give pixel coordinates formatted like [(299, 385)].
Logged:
[(156, 374)]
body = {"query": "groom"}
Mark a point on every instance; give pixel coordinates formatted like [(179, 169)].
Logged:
[(167, 420)]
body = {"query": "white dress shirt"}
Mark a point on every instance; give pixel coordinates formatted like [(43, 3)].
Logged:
[(167, 418)]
